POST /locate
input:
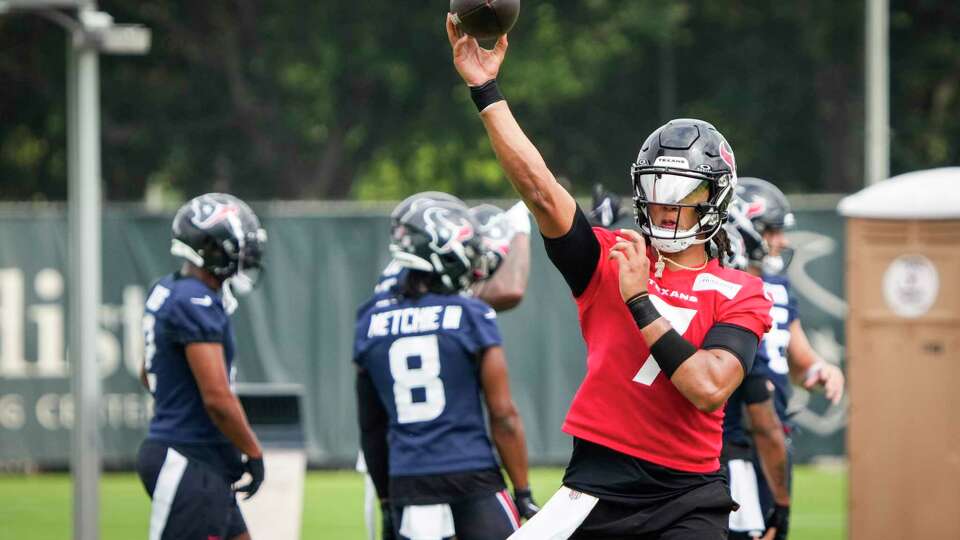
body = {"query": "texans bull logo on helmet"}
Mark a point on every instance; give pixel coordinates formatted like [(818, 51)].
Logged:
[(207, 213), (756, 207), (446, 234), (726, 154)]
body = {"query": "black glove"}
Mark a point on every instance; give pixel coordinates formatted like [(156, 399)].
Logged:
[(523, 498), (386, 522), (779, 517), (605, 208), (254, 466)]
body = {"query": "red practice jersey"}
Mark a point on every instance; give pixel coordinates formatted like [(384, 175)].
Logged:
[(625, 402)]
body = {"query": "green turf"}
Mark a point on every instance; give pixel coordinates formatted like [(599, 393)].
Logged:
[(38, 507)]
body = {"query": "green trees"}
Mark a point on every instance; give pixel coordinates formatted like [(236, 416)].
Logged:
[(340, 99)]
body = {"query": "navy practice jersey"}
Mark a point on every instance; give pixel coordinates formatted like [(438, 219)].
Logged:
[(771, 362), (772, 352), (422, 356), (390, 278), (181, 310)]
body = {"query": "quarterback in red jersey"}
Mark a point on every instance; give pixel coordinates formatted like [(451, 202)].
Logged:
[(621, 405), (669, 331)]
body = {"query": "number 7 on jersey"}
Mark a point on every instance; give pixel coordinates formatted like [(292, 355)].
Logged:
[(679, 319)]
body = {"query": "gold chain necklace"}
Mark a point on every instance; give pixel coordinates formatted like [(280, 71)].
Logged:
[(659, 266)]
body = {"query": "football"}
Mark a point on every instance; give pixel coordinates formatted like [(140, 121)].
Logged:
[(485, 19)]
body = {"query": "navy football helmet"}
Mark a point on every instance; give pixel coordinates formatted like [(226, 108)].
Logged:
[(766, 206), (767, 209), (440, 238), (681, 158), (221, 234), (496, 235), (405, 204)]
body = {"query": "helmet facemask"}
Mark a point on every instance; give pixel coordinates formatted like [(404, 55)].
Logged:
[(776, 264), (679, 188), (454, 271)]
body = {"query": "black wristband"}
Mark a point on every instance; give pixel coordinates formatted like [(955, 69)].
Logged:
[(642, 309), (670, 351), (486, 94)]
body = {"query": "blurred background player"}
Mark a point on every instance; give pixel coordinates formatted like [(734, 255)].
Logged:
[(606, 210), (506, 242), (754, 397), (425, 353), (785, 353), (635, 471), (502, 277), (192, 454)]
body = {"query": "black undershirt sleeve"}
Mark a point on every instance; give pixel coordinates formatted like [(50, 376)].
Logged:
[(373, 422), (734, 339), (576, 254)]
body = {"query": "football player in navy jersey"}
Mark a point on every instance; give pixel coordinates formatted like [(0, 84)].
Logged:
[(506, 241), (754, 398), (425, 356), (199, 443), (763, 215), (501, 283)]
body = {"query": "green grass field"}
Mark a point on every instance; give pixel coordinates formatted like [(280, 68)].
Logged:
[(38, 507)]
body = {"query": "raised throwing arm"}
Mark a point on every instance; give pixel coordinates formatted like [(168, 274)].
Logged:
[(552, 206)]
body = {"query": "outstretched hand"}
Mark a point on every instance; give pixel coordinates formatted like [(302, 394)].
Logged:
[(829, 377), (475, 64), (630, 252)]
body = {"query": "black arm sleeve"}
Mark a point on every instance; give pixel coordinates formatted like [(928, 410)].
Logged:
[(373, 433), (576, 254), (755, 389), (734, 339)]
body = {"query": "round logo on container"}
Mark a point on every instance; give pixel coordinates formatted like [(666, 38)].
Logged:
[(910, 285)]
